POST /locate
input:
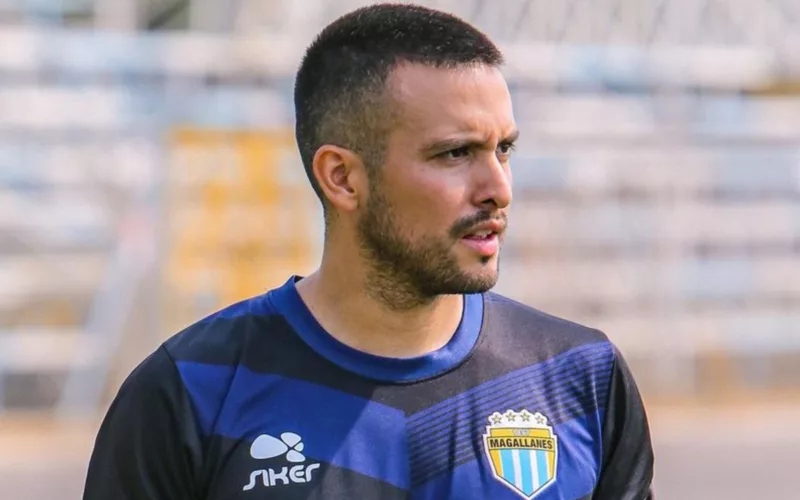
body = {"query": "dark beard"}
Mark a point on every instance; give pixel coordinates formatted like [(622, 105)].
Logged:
[(404, 275)]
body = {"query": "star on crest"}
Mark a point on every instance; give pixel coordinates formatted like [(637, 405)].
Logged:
[(540, 419), (496, 418), (510, 416)]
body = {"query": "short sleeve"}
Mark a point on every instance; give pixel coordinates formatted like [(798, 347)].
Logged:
[(627, 471), (147, 447)]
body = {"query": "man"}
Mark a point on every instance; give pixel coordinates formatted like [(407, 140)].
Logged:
[(391, 372)]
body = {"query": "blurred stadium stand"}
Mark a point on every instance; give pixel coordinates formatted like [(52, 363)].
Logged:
[(148, 176)]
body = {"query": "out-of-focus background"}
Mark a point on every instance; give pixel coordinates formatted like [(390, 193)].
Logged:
[(148, 176)]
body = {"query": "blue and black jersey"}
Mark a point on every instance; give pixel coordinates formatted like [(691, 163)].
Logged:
[(259, 402)]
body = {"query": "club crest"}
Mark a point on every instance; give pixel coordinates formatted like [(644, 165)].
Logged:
[(522, 450)]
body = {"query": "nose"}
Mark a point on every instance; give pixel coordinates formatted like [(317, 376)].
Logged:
[(493, 180)]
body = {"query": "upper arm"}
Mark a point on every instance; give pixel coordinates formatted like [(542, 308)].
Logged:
[(627, 470), (147, 447)]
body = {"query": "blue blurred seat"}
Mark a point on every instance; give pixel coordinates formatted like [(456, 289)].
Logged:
[(539, 173), (717, 278), (624, 224), (720, 115), (754, 170)]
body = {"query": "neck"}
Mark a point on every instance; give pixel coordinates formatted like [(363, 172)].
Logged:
[(341, 301)]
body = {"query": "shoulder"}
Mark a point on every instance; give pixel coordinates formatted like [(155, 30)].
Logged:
[(197, 365), (157, 373), (522, 336), (527, 323), (220, 337), (214, 339)]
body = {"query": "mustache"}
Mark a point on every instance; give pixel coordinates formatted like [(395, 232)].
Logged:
[(463, 226)]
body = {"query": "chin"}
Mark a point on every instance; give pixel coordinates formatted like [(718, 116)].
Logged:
[(478, 281), (483, 266), (464, 275), (459, 282)]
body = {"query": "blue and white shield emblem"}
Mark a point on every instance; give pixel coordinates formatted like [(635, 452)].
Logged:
[(522, 451)]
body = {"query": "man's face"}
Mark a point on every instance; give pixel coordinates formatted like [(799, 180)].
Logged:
[(437, 206)]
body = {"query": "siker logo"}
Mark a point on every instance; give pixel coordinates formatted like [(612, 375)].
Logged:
[(290, 446)]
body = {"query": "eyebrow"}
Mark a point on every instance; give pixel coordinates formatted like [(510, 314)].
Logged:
[(512, 137), (460, 142)]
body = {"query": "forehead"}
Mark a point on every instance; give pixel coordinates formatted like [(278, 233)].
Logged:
[(440, 101)]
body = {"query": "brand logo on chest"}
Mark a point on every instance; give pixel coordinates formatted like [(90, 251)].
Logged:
[(289, 446)]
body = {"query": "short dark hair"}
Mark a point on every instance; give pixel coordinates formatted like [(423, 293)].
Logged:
[(341, 81)]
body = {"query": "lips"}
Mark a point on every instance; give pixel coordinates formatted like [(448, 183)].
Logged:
[(486, 229), (484, 238), (485, 246), (480, 235)]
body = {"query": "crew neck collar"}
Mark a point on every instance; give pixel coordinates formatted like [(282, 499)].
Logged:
[(291, 306)]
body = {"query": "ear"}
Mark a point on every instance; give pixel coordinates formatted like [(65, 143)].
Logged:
[(341, 176)]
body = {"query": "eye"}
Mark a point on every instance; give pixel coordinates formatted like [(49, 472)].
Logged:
[(456, 154), (506, 148)]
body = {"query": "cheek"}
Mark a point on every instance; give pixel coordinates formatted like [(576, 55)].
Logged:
[(427, 202), (431, 213)]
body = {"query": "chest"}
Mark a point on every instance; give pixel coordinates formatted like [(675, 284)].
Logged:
[(293, 440)]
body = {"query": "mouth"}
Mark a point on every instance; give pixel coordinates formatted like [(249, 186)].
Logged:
[(481, 235), (485, 243)]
